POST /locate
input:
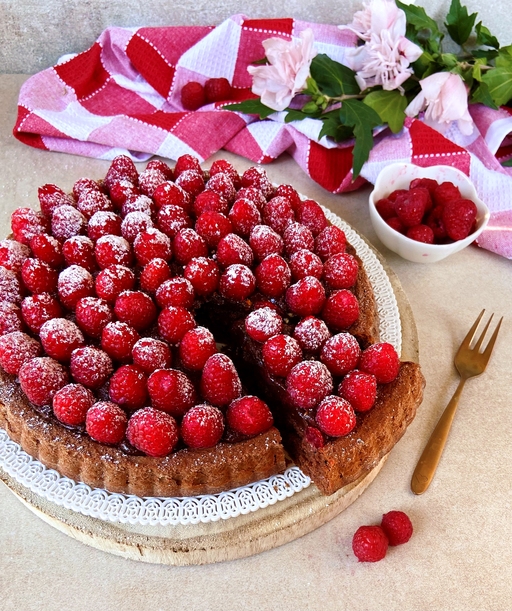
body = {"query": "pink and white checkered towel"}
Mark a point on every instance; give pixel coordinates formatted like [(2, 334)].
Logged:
[(123, 96)]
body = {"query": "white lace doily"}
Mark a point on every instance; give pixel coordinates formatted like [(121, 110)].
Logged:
[(129, 509)]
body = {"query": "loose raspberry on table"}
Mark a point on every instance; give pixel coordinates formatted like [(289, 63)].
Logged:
[(128, 387), (79, 250), (222, 166), (135, 308), (264, 241), (150, 354), (244, 216), (459, 218), (153, 275), (273, 276), (50, 197), (37, 309), (397, 526), (105, 422), (310, 213), (381, 360), (40, 378), (38, 277), (48, 249), (263, 323), (13, 254), (359, 389), (113, 250), (187, 245), (10, 288), (220, 383), (341, 310), (186, 162), (103, 223), (308, 383), (335, 416), (17, 348), (112, 281), (90, 366), (133, 224), (370, 544), (118, 339), (237, 282), (233, 249), (421, 233), (153, 432), (192, 95), (305, 263), (202, 426), (340, 271), (196, 347), (176, 291), (311, 333), (340, 353), (297, 237), (90, 202), (212, 227), (171, 391), (60, 337), (330, 241), (172, 219), (92, 315), (71, 404), (191, 181), (217, 89), (174, 322), (11, 318), (306, 297), (152, 244), (278, 214), (249, 415), (280, 354), (170, 194), (66, 222), (26, 223), (204, 275)]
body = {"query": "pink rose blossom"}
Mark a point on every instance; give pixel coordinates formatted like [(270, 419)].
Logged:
[(444, 98), (286, 74)]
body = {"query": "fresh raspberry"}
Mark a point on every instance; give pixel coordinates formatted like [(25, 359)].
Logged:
[(192, 96), (397, 526), (291, 195), (175, 292), (273, 276), (244, 216), (186, 162), (105, 422), (340, 353), (278, 214), (382, 361), (174, 322), (421, 233), (386, 208), (90, 366), (204, 275), (60, 337), (91, 202), (341, 310), (79, 250), (459, 218), (149, 179), (187, 245), (445, 193), (71, 403), (263, 323), (26, 223), (395, 223), (314, 436), (121, 168), (138, 203), (217, 89), (311, 333), (51, 197), (103, 223), (233, 249), (222, 166), (17, 348), (38, 277), (40, 378), (297, 237), (310, 213), (220, 383), (308, 383), (172, 219), (154, 274), (359, 389), (264, 241), (11, 318), (37, 309), (67, 222), (411, 207), (202, 426), (113, 250), (118, 339), (83, 185), (306, 297), (13, 253), (92, 315), (425, 183), (237, 282), (153, 432), (170, 194), (212, 227), (133, 224), (152, 244), (394, 195), (135, 308), (196, 347), (120, 191), (370, 543), (435, 221), (150, 354), (191, 181), (305, 263), (335, 416), (340, 271), (10, 288), (249, 415), (112, 281), (171, 391), (280, 354), (330, 241), (253, 194), (257, 177), (161, 166), (223, 185), (128, 387)]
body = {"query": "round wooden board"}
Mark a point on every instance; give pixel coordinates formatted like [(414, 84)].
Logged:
[(223, 540)]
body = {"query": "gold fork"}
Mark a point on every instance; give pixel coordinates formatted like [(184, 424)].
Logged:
[(469, 362)]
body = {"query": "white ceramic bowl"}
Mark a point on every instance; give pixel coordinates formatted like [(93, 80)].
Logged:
[(399, 176)]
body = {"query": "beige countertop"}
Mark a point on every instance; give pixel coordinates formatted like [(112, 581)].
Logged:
[(460, 555)]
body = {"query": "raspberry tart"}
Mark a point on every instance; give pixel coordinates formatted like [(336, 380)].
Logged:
[(176, 331)]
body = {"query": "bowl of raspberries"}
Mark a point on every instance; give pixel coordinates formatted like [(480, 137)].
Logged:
[(426, 214)]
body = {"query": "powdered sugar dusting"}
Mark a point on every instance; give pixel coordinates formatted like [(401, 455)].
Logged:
[(67, 222), (12, 254)]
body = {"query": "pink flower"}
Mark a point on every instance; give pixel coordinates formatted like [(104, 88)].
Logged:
[(286, 74), (386, 56), (444, 98)]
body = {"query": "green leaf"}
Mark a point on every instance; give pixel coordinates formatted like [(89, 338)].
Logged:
[(481, 95), (476, 71), (504, 58), (332, 128), (499, 82), (458, 23), (363, 119), (487, 54), (390, 106), (251, 107), (484, 37), (507, 164), (418, 18), (333, 79)]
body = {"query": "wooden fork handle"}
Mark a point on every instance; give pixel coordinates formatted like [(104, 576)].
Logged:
[(427, 464)]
